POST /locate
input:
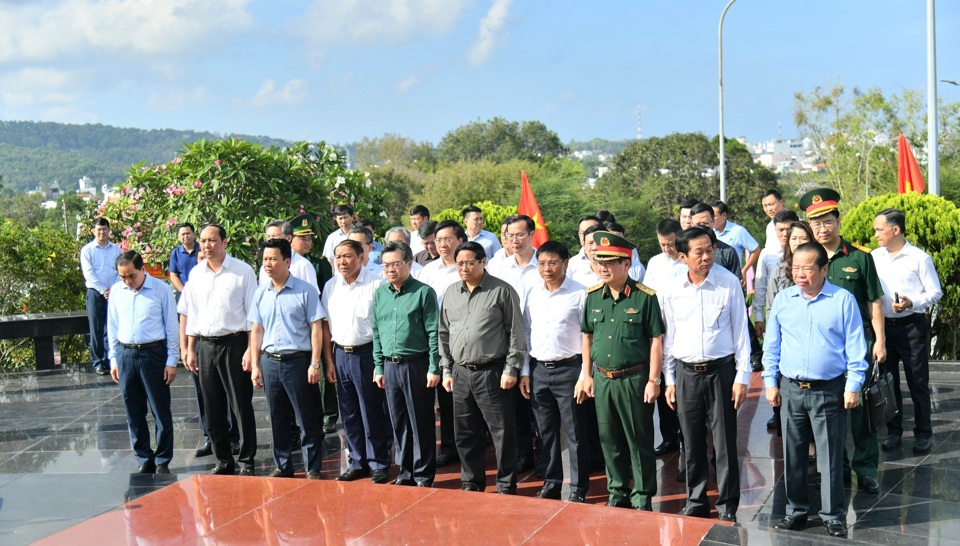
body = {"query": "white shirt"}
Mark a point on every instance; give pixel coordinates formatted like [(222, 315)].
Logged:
[(551, 321), (579, 269), (489, 242), (300, 268), (706, 322), (909, 273), (660, 270), (637, 271), (330, 244), (349, 307), (99, 265), (218, 303), (439, 277), (772, 242), (766, 265), (520, 278), (416, 243)]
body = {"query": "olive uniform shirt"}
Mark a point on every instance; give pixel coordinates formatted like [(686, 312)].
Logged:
[(405, 323), (853, 269), (621, 328)]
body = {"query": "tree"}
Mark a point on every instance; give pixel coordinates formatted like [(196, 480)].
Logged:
[(393, 150), (498, 140)]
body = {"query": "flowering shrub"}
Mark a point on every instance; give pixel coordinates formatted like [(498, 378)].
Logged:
[(238, 185)]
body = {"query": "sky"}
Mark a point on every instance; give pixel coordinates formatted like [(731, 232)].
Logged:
[(341, 70)]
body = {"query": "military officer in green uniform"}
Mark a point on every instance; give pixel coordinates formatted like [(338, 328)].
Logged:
[(851, 267), (623, 335), (303, 233)]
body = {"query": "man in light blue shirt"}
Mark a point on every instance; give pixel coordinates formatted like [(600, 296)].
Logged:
[(735, 235), (98, 261), (286, 344), (814, 359), (144, 338), (473, 220)]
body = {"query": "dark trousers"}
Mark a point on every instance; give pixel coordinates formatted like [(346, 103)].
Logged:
[(97, 317), (290, 396), (523, 416), (626, 434), (448, 443), (908, 340), (704, 406), (866, 450), (478, 399), (411, 412), (669, 422), (554, 405), (142, 383), (817, 413), (231, 417), (363, 409), (225, 385), (328, 392)]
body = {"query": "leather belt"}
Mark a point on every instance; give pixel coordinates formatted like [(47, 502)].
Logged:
[(551, 364), (812, 383), (355, 348), (899, 321), (617, 374), (281, 357), (406, 359), (224, 338), (475, 367), (141, 346), (703, 367)]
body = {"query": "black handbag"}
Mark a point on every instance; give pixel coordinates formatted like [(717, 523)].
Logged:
[(878, 398)]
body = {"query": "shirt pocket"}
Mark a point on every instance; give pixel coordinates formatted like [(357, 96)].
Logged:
[(712, 317), (595, 316)]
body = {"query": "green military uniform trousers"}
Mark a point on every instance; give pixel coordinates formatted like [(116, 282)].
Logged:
[(626, 437)]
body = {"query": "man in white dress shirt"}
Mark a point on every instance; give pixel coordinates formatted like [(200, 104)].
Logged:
[(910, 288), (419, 214), (707, 363), (98, 262), (363, 236), (348, 303), (580, 262), (343, 215), (772, 202), (300, 267)]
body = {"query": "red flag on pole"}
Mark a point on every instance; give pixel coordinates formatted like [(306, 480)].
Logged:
[(528, 206), (908, 172)]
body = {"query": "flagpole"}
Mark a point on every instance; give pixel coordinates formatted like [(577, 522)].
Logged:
[(933, 161)]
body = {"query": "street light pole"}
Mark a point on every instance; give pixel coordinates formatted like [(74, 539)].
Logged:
[(933, 161), (723, 168)]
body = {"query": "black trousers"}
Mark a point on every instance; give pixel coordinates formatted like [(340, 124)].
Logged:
[(704, 406), (411, 414), (555, 408), (291, 397), (231, 418), (225, 385), (97, 317), (669, 422), (142, 384), (478, 399), (448, 443), (908, 340)]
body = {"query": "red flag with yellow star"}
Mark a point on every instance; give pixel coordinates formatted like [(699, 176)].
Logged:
[(908, 172), (528, 206)]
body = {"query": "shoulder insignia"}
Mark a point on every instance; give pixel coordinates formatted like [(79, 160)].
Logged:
[(861, 248), (645, 289), (595, 287)]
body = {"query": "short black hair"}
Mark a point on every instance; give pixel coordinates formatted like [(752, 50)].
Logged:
[(720, 206), (895, 217), (554, 247), (817, 249), (691, 233), (427, 229), (420, 210), (403, 248), (130, 257), (784, 216), (455, 226), (471, 246), (593, 229), (468, 209), (701, 207), (689, 202), (367, 236), (531, 225), (668, 226), (342, 210), (590, 217), (355, 246), (613, 226), (220, 231), (186, 225), (773, 192), (101, 222), (605, 216), (282, 244)]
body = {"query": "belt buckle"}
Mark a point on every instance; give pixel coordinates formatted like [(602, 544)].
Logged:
[(396, 359), (804, 384), (347, 348), (548, 365), (700, 367)]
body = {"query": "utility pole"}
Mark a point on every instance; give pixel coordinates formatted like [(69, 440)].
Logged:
[(933, 156), (723, 168)]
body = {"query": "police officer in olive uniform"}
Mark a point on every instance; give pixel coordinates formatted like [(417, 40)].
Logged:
[(852, 268), (303, 233), (623, 334)]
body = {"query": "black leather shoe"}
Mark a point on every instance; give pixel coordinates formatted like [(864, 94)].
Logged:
[(313, 474), (425, 484), (868, 484), (163, 468), (682, 476), (890, 443), (101, 370), (247, 471), (447, 459), (695, 512), (729, 516), (524, 463), (792, 523), (235, 449), (847, 480), (329, 428), (756, 363), (352, 474), (380, 476), (666, 447), (836, 528), (922, 445), (404, 481), (576, 498), (645, 508), (772, 423), (506, 491), (204, 451), (147, 468), (277, 473), (224, 470), (549, 491), (622, 503), (467, 486)]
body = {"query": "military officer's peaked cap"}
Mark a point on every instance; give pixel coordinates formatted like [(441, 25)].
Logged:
[(611, 246), (819, 201), (302, 225)]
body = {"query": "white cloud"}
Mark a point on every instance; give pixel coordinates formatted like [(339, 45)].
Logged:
[(56, 29), (292, 92), (180, 99), (366, 22), (489, 31), (406, 84), (32, 86)]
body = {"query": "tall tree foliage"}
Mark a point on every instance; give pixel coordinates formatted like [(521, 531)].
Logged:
[(498, 140)]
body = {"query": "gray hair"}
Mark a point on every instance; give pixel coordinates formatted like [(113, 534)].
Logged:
[(285, 227), (399, 229)]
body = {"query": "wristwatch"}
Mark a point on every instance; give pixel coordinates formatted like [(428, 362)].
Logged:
[(656, 381), (315, 365)]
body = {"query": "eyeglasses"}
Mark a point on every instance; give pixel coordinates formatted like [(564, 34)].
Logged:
[(552, 264), (467, 264), (817, 224), (393, 265), (445, 241), (517, 236)]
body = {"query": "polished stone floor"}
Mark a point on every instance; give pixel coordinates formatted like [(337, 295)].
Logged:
[(67, 475)]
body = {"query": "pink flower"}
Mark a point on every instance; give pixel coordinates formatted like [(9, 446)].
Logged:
[(139, 234), (197, 184), (171, 222), (124, 246), (177, 160), (301, 209), (126, 232), (217, 162)]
